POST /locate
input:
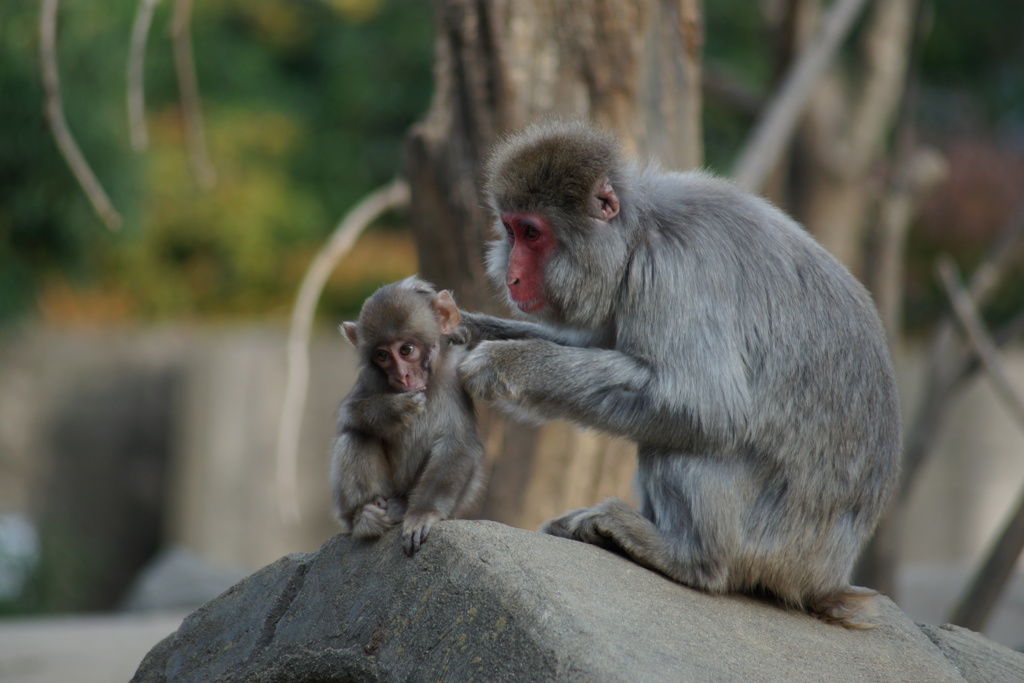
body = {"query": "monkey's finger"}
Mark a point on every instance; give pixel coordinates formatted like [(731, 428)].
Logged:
[(411, 541), (556, 527), (425, 529), (460, 336)]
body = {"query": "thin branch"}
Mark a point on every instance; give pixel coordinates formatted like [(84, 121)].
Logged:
[(182, 39), (987, 275), (136, 60), (982, 595), (1011, 330), (913, 170), (53, 107), (775, 129), (947, 367), (969, 319), (980, 599), (913, 173), (355, 222), (850, 141)]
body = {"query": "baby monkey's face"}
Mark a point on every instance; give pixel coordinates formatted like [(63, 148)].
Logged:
[(403, 361)]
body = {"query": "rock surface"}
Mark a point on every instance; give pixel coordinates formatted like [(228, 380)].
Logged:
[(482, 601)]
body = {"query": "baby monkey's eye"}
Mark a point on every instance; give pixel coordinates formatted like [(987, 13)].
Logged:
[(380, 356), (407, 349)]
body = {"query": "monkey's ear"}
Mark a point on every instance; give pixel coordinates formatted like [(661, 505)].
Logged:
[(350, 332), (447, 312), (605, 203)]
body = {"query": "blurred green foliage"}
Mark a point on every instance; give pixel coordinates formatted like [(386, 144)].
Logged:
[(975, 52), (305, 107), (306, 103), (970, 68), (55, 583), (970, 106)]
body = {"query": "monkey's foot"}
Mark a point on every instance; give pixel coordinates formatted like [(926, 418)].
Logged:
[(583, 524), (372, 520), (415, 530)]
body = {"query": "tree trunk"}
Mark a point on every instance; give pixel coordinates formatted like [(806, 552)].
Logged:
[(845, 133), (632, 66)]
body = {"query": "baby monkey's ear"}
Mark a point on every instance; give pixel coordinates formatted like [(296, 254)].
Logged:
[(447, 312), (349, 330)]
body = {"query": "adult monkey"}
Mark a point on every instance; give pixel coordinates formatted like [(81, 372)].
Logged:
[(747, 363)]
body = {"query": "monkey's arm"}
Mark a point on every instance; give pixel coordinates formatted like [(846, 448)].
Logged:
[(606, 390), (451, 475), (360, 483), (384, 414), (478, 327)]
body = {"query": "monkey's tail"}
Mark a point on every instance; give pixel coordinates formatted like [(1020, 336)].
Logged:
[(852, 607)]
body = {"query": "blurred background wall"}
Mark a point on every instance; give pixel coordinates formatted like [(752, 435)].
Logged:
[(126, 440)]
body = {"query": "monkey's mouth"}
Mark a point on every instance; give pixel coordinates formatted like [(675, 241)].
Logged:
[(530, 305), (411, 387)]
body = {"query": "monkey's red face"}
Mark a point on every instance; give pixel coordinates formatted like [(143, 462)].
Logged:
[(532, 241), (402, 361)]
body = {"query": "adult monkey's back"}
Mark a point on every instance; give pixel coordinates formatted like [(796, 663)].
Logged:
[(701, 322)]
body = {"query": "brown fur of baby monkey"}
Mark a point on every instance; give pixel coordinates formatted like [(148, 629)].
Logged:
[(406, 450)]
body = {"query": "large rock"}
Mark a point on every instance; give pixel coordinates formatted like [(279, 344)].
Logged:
[(482, 601)]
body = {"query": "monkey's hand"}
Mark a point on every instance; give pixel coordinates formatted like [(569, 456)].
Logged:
[(478, 327), (402, 409), (410, 404), (416, 528), (383, 414), (372, 520), (486, 371), (470, 330), (460, 336)]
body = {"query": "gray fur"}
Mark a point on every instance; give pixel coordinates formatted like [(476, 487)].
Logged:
[(746, 362), (410, 458)]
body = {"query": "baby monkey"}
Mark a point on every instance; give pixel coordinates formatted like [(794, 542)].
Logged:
[(406, 448)]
